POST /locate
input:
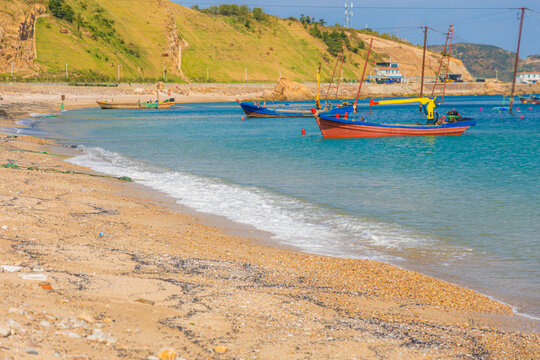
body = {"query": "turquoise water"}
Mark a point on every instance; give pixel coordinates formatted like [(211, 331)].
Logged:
[(463, 208)]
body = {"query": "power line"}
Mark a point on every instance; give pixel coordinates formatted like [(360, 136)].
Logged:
[(358, 7)]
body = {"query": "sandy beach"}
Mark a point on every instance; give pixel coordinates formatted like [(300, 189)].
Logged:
[(94, 267)]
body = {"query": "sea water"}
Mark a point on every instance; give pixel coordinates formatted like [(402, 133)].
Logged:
[(462, 208)]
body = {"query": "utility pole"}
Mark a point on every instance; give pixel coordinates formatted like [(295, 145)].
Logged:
[(496, 74), (423, 62), (66, 70), (164, 75), (207, 68), (517, 59), (12, 69)]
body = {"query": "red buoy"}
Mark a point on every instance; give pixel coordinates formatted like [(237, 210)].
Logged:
[(530, 108), (243, 117), (522, 117), (303, 131)]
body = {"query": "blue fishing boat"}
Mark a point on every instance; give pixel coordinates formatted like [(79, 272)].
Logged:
[(254, 110)]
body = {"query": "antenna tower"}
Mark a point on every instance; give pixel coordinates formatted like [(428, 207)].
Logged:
[(349, 13)]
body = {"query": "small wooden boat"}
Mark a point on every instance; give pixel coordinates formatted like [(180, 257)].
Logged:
[(350, 125), (534, 100), (138, 105)]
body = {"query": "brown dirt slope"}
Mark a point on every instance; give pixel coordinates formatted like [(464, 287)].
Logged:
[(17, 25)]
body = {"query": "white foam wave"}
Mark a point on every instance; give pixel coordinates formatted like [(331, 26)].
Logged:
[(294, 222)]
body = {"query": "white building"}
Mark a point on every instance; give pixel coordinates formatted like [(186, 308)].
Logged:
[(528, 77), (388, 72)]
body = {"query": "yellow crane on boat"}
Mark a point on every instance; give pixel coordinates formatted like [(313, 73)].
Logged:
[(427, 103)]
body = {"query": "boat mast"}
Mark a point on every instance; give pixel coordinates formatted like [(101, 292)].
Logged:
[(448, 36), (423, 62), (451, 34), (317, 100), (331, 80), (517, 59), (340, 68), (363, 74)]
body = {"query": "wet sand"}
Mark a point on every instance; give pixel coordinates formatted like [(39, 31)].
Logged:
[(121, 272)]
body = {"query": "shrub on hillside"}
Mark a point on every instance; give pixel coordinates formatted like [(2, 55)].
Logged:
[(259, 14), (61, 10)]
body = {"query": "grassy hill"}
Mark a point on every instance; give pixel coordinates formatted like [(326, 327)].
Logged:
[(485, 60), (146, 40), (144, 37)]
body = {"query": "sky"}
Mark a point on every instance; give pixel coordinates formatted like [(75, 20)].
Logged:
[(490, 22)]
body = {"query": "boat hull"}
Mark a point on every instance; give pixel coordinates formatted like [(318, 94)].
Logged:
[(340, 129), (254, 111)]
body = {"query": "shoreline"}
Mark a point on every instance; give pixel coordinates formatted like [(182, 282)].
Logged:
[(245, 230), (426, 310), (264, 238), (248, 231)]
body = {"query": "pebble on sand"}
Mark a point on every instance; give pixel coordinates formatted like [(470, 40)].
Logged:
[(145, 301), (86, 317), (31, 351), (167, 354), (221, 349), (5, 331)]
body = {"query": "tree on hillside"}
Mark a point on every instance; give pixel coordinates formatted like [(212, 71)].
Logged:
[(259, 14)]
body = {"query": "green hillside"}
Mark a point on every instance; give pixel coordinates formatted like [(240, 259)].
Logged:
[(485, 61), (143, 37)]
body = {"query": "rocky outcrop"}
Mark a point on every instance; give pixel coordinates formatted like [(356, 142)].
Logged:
[(288, 90), (176, 44), (17, 27)]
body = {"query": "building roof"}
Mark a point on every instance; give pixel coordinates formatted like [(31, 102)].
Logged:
[(525, 73)]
